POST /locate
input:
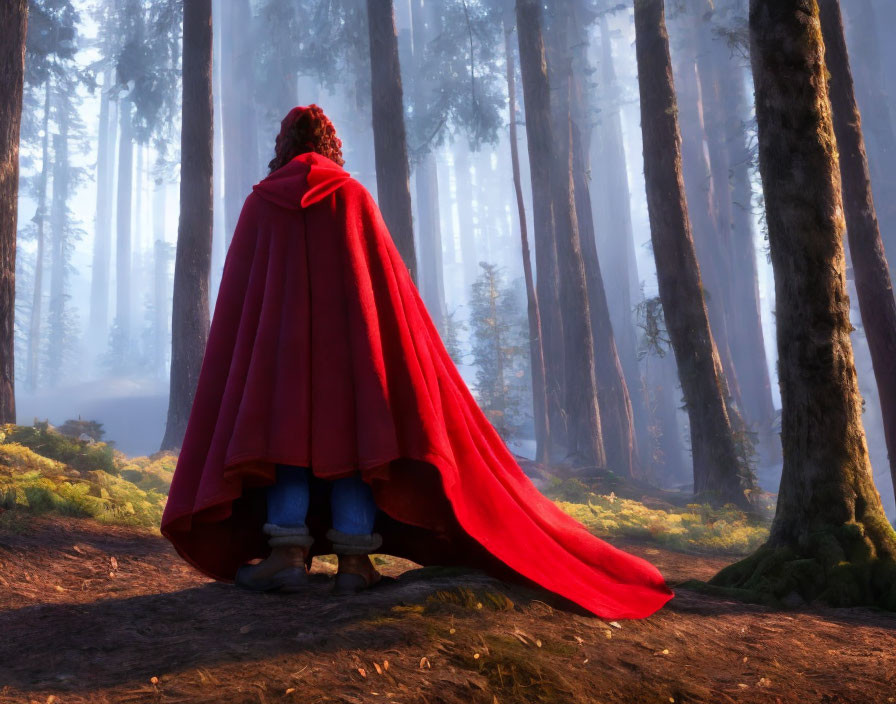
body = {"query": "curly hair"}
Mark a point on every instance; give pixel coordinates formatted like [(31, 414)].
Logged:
[(306, 129)]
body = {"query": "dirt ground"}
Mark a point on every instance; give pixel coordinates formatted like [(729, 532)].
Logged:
[(95, 614)]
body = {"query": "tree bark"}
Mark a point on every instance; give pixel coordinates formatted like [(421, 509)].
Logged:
[(872, 273), (584, 438), (14, 20), (536, 349), (389, 140), (720, 473), (190, 313), (830, 539)]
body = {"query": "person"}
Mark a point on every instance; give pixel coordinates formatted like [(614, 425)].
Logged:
[(329, 417)]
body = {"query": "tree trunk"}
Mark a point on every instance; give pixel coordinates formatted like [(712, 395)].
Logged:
[(40, 220), (123, 225), (547, 277), (584, 439), (160, 279), (429, 222), (463, 185), (190, 313), (700, 189), (746, 331), (877, 118), (615, 241), (99, 273), (390, 142), (56, 334), (720, 473), (615, 403), (536, 349), (238, 126), (830, 539), (872, 273), (14, 20)]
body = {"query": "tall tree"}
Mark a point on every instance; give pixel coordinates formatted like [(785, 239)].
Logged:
[(102, 244), (720, 471), (726, 111), (711, 232), (871, 75), (536, 347), (239, 129), (190, 313), (14, 20), (872, 273), (390, 142), (830, 539), (584, 439), (40, 218), (570, 40), (429, 227)]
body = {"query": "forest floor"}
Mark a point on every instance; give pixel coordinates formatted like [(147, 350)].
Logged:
[(97, 613)]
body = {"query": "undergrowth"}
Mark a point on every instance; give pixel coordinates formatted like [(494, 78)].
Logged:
[(695, 527), (45, 471)]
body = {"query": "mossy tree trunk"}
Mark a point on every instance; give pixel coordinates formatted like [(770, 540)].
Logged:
[(720, 473), (830, 539), (873, 283)]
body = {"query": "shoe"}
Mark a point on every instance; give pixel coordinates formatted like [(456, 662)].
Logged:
[(354, 574), (355, 571), (285, 569)]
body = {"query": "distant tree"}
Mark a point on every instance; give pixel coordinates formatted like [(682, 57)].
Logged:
[(830, 539), (14, 20), (720, 472), (536, 341), (585, 444), (451, 337), (872, 273), (499, 349), (190, 315)]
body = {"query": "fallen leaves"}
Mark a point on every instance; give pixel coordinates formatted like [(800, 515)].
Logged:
[(424, 663)]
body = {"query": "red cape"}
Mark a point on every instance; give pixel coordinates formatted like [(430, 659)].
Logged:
[(322, 354)]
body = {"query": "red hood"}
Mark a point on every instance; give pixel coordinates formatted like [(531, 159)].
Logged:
[(305, 180)]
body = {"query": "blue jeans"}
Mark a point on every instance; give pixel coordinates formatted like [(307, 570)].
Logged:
[(351, 501)]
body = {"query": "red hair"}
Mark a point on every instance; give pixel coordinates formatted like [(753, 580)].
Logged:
[(306, 129)]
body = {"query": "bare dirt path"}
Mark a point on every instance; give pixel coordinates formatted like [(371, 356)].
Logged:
[(91, 613)]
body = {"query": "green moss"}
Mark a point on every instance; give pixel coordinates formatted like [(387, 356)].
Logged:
[(838, 566)]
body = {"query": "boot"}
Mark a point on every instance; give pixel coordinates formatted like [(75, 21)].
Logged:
[(284, 569), (355, 571)]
